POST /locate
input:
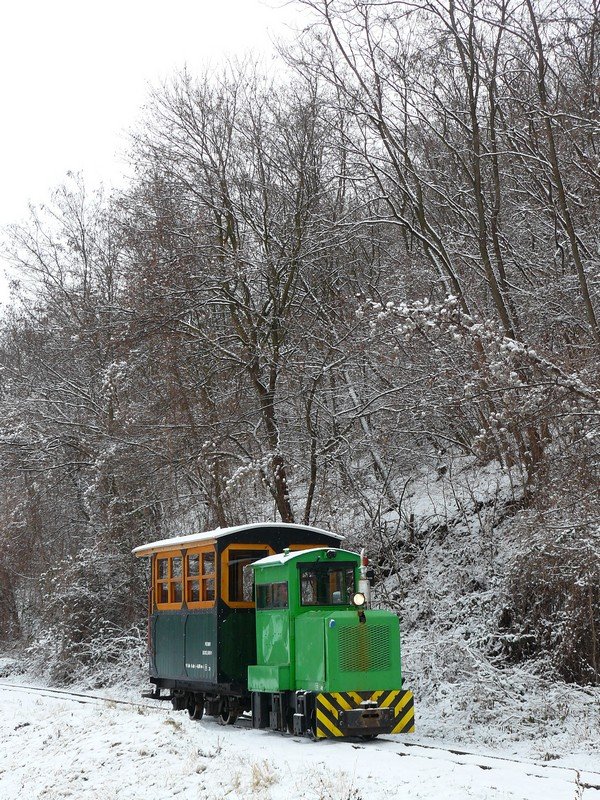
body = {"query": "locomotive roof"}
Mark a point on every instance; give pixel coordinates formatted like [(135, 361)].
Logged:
[(209, 536), (289, 555)]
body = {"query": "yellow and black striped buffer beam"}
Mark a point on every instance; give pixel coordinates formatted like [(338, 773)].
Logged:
[(330, 708)]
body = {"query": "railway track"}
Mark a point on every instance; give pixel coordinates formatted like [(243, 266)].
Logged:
[(585, 779), (76, 697)]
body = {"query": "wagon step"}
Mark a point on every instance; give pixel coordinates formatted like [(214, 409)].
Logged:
[(154, 694)]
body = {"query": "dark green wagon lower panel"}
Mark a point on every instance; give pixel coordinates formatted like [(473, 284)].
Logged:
[(184, 646)]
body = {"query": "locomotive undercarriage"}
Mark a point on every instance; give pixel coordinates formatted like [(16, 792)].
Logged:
[(363, 715), (334, 714)]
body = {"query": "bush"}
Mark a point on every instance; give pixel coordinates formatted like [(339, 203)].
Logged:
[(554, 606), (89, 627)]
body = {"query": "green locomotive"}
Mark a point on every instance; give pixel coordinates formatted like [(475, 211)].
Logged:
[(296, 642)]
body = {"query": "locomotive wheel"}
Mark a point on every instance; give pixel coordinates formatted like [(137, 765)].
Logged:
[(195, 706), (289, 720)]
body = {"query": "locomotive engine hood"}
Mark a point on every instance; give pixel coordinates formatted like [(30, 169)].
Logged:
[(340, 653)]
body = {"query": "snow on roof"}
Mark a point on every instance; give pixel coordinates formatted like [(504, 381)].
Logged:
[(282, 558), (209, 536)]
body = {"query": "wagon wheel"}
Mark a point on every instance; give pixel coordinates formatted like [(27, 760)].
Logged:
[(227, 718), (195, 706), (227, 715)]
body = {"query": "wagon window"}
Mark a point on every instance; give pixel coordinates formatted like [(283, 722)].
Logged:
[(237, 575), (193, 592), (193, 581), (272, 595), (163, 568), (200, 578), (176, 592), (163, 593), (208, 576), (169, 581), (240, 580)]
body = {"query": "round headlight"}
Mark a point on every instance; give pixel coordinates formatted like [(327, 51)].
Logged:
[(359, 599)]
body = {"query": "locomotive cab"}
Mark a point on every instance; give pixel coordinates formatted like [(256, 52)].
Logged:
[(326, 664)]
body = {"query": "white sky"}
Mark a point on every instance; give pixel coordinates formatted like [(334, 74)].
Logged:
[(73, 76)]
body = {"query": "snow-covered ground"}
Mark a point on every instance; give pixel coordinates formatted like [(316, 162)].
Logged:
[(65, 747)]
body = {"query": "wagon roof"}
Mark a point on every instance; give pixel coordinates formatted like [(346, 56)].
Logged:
[(209, 536)]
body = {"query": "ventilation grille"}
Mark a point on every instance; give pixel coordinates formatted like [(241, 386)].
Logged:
[(364, 648)]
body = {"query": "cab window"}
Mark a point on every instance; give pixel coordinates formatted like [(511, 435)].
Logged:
[(272, 595), (326, 584)]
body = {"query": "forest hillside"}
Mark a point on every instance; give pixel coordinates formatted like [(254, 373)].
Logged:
[(362, 294)]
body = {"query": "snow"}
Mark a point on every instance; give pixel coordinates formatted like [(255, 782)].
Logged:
[(59, 747)]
